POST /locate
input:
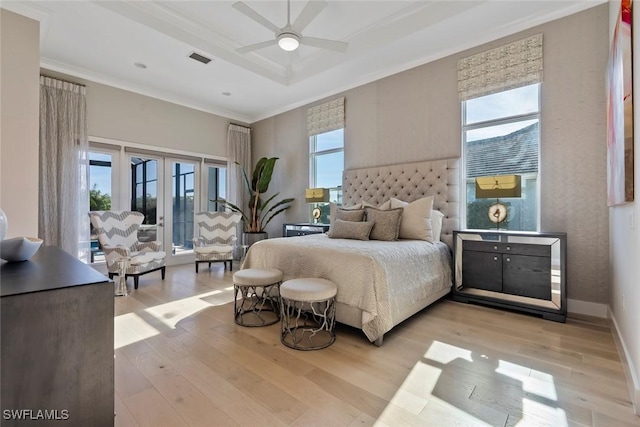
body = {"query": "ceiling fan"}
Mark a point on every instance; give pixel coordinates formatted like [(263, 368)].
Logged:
[(290, 36)]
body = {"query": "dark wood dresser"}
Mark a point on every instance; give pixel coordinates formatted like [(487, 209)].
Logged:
[(521, 271), (57, 342)]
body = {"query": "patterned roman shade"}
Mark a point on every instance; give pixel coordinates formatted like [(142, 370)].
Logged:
[(507, 67), (326, 117)]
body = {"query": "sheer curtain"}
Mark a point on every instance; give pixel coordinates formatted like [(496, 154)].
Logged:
[(64, 163), (238, 150)]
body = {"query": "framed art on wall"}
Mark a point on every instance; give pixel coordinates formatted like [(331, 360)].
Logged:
[(620, 111)]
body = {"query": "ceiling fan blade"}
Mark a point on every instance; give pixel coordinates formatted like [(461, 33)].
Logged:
[(246, 10), (252, 47), (310, 11), (325, 44)]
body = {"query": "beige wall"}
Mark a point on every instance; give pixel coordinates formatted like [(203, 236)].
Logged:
[(119, 114), (127, 116), (624, 297), (19, 109), (415, 115)]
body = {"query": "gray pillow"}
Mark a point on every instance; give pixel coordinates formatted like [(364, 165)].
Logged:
[(350, 214), (350, 230), (386, 223)]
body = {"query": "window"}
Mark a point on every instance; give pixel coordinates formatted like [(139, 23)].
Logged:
[(100, 194), (326, 163), (216, 187), (99, 181), (501, 136), (144, 188)]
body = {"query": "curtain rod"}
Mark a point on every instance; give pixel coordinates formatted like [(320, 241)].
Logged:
[(63, 80), (242, 126)]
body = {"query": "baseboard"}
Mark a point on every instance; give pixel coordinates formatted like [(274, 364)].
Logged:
[(587, 308), (627, 364)]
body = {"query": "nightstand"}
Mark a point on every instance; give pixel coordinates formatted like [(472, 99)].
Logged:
[(516, 270), (303, 228)]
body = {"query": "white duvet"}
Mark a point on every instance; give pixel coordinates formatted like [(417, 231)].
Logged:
[(375, 276)]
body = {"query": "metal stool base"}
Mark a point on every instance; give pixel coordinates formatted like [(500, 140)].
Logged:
[(257, 305), (307, 325)]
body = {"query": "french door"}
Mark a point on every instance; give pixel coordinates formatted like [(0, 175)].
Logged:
[(166, 190)]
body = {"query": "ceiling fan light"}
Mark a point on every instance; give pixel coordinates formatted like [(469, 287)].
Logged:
[(288, 41)]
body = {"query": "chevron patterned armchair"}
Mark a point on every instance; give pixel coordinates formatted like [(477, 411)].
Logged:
[(216, 238), (117, 233)]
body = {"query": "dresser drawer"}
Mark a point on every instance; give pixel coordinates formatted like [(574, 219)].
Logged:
[(507, 248)]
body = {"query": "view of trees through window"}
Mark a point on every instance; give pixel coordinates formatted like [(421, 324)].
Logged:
[(501, 136)]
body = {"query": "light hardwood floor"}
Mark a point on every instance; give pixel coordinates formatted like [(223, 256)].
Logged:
[(182, 361)]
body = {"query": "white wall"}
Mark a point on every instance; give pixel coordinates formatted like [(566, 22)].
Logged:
[(624, 297), (415, 115), (19, 123)]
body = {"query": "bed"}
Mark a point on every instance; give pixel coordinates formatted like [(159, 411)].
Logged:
[(380, 283)]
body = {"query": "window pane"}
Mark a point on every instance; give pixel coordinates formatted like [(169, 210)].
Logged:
[(183, 206), (222, 183), (152, 170), (509, 103), (216, 188), (507, 131), (330, 140), (99, 181), (503, 150), (498, 148), (99, 195), (145, 191), (329, 169)]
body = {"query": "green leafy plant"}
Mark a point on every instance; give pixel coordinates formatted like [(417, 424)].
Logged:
[(261, 211)]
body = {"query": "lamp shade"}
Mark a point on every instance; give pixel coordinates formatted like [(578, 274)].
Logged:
[(316, 195), (500, 186)]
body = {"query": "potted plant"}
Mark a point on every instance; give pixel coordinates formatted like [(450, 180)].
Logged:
[(261, 211)]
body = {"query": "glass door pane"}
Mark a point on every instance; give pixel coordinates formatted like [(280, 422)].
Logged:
[(216, 187), (183, 194), (100, 178), (146, 196)]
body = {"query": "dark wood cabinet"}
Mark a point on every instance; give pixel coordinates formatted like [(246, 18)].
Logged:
[(524, 271), (302, 229), (57, 342)]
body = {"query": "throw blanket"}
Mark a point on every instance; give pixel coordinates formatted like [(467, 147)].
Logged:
[(375, 276)]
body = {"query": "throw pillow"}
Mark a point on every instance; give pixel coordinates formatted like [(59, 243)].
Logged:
[(416, 218), (436, 224), (333, 208), (350, 214), (350, 230), (386, 224)]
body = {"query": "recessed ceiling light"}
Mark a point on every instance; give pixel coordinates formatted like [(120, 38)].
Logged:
[(226, 93), (140, 65)]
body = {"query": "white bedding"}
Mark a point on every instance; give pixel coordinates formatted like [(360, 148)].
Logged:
[(377, 277)]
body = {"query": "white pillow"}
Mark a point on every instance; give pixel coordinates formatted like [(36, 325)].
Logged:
[(385, 206), (416, 219), (436, 224)]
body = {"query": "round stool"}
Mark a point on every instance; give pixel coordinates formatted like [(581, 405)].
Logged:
[(258, 303), (308, 312)]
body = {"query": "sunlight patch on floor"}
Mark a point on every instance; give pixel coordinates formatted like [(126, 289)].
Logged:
[(456, 386), (143, 324)]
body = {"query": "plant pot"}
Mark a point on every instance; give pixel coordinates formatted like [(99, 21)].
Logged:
[(249, 239)]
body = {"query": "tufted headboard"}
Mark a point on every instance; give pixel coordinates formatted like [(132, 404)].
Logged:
[(409, 182)]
